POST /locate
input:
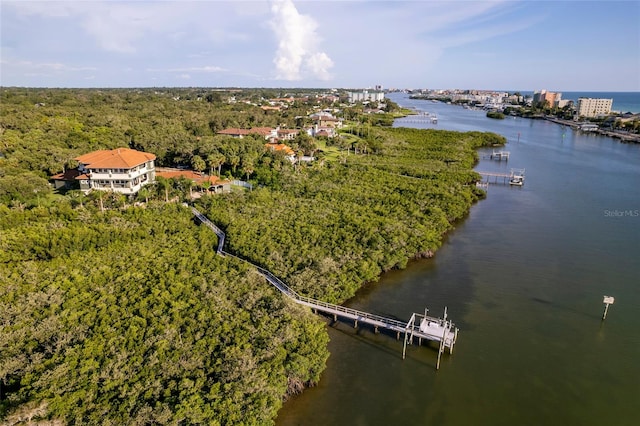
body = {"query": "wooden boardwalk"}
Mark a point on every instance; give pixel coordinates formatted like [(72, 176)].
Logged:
[(421, 326), (422, 118)]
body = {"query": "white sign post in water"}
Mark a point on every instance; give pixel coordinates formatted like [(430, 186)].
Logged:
[(608, 300)]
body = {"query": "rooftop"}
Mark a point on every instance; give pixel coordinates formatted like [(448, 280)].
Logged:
[(189, 174), (119, 158), (263, 131)]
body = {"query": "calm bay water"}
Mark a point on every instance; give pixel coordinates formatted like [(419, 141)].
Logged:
[(523, 277)]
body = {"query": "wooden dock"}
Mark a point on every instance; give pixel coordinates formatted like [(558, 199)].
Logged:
[(419, 326), (422, 118), (504, 178), (500, 155)]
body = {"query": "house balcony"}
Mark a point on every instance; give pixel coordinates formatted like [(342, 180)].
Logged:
[(103, 176), (120, 188), (126, 175), (134, 173)]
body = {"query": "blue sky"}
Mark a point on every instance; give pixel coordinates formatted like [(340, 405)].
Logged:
[(510, 45)]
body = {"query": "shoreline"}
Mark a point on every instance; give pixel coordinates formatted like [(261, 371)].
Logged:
[(464, 364), (419, 256), (624, 137), (368, 285)]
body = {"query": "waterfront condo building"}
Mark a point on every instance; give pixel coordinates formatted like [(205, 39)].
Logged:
[(121, 170), (365, 95), (594, 107), (551, 98)]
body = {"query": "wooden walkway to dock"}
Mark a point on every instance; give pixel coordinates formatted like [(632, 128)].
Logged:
[(421, 326), (424, 117)]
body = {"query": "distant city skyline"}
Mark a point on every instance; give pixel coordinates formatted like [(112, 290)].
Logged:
[(560, 46)]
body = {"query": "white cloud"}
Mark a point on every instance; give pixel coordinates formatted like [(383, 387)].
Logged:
[(297, 44), (319, 64), (127, 27), (272, 42)]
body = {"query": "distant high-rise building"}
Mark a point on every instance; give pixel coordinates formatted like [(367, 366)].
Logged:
[(561, 103), (366, 95), (593, 107), (551, 98)]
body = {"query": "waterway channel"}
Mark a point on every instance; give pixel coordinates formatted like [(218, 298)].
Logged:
[(523, 277)]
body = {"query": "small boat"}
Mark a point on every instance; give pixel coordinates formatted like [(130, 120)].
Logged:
[(516, 180)]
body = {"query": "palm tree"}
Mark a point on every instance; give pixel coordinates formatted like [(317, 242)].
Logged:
[(77, 195), (144, 193), (164, 185), (247, 168), (186, 184), (198, 163), (97, 195), (215, 160), (118, 198), (234, 160)]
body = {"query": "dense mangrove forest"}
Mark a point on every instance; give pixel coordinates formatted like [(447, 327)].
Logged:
[(116, 310)]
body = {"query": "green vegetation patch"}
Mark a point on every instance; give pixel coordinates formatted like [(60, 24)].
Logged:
[(495, 115), (130, 318), (327, 230), (127, 316)]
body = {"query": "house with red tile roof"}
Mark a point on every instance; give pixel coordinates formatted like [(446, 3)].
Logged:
[(270, 108), (209, 182), (280, 147), (286, 134), (121, 170), (68, 179), (327, 133), (325, 119), (266, 132)]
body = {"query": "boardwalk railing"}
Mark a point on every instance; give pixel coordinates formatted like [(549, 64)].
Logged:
[(430, 328), (205, 221)]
